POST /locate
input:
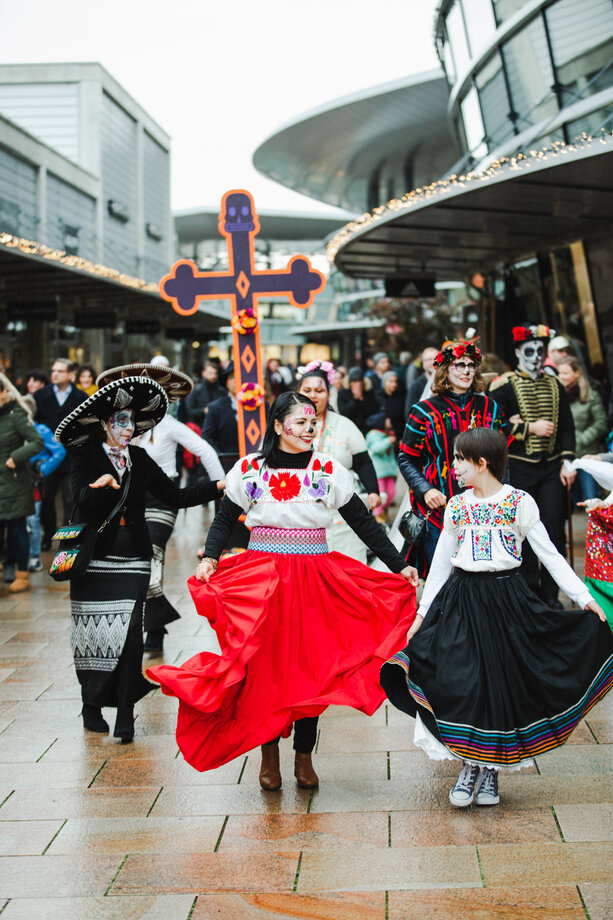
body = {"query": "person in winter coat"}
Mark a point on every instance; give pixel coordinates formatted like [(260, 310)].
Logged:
[(382, 446), (19, 442), (588, 415), (41, 466)]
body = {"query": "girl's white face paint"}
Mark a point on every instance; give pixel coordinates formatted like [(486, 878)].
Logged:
[(297, 430), (120, 428), (465, 471)]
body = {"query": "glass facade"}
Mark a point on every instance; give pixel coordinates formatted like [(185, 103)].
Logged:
[(560, 55)]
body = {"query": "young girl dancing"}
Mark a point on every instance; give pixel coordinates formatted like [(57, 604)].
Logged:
[(491, 675)]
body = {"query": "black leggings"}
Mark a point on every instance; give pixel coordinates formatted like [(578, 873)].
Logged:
[(305, 735)]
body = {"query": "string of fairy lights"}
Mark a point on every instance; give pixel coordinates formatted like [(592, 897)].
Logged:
[(495, 170), (31, 248)]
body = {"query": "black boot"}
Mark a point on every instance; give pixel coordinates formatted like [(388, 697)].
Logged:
[(155, 640), (124, 725), (92, 719)]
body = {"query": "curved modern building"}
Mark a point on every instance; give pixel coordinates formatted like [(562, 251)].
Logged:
[(525, 74)]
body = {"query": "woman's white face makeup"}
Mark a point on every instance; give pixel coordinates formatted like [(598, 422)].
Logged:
[(297, 430), (315, 389), (120, 428), (465, 470)]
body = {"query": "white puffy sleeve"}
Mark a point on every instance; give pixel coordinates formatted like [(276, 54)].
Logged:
[(441, 567), (557, 566), (527, 515), (235, 489), (342, 486)]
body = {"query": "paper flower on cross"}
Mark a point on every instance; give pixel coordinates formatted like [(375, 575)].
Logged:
[(245, 321), (250, 395)]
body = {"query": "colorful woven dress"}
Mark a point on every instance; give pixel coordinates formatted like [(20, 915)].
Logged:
[(493, 676), (299, 627)]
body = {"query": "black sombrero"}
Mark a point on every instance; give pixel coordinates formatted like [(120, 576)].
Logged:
[(176, 384), (145, 397)]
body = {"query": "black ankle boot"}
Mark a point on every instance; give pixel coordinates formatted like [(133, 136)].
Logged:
[(155, 640), (92, 719), (124, 725)]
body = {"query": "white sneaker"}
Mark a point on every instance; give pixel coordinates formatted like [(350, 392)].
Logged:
[(487, 790), (463, 792), (35, 565)]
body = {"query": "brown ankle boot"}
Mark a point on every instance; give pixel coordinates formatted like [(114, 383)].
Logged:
[(306, 777), (270, 773), (21, 583)]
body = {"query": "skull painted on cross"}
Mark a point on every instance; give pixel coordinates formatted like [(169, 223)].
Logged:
[(238, 213)]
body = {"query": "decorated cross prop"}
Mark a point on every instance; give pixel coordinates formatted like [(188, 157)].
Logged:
[(186, 286)]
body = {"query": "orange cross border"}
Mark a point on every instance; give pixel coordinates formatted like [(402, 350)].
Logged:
[(186, 286)]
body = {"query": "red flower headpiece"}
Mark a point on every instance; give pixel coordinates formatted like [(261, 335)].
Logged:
[(530, 331), (452, 351)]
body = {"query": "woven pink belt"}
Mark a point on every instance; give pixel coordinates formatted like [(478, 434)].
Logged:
[(289, 541)]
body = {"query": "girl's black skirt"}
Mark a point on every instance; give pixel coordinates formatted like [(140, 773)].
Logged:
[(495, 675)]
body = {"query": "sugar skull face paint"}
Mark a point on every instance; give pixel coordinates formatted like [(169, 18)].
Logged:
[(530, 356), (297, 431), (120, 428)]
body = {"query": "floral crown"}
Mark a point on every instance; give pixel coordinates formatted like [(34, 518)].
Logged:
[(325, 368), (529, 331), (451, 351)]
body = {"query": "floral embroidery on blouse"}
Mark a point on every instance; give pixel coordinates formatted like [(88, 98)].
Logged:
[(485, 514), (510, 544), (482, 545), (262, 484)]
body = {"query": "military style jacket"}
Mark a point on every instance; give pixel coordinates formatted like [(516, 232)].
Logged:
[(532, 399)]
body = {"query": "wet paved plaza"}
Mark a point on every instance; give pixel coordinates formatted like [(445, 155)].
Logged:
[(93, 829)]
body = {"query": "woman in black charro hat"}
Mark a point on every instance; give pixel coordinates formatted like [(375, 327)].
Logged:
[(107, 601)]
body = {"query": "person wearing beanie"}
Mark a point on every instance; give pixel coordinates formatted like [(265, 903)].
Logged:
[(391, 401), (382, 364), (358, 402)]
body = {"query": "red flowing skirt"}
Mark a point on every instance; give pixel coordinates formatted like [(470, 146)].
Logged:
[(297, 633)]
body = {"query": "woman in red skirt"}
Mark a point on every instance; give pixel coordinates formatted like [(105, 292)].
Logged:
[(299, 628)]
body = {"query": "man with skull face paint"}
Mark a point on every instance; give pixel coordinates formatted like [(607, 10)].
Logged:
[(543, 437)]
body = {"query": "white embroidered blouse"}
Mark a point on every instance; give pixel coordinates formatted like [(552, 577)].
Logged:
[(289, 498), (486, 535)]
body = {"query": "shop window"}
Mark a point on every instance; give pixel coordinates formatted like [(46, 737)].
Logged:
[(581, 36), (495, 107), (530, 75)]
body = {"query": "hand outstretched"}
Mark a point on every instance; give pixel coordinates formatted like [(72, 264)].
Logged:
[(104, 481)]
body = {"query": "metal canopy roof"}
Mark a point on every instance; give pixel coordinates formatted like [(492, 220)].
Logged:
[(200, 224), (31, 274), (338, 152), (460, 225)]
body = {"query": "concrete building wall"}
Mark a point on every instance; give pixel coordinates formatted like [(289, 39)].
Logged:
[(18, 196), (71, 219), (49, 111), (118, 131)]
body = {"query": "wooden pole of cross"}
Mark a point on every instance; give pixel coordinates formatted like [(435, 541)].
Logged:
[(185, 286)]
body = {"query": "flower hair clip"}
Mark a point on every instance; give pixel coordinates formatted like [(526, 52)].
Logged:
[(325, 367), (529, 331), (451, 351), (250, 396)]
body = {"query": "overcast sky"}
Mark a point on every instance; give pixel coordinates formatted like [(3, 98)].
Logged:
[(220, 77)]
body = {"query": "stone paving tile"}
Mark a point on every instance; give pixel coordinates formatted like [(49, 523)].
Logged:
[(595, 758), (156, 907), (161, 771), (26, 838), (57, 876), (372, 870), (255, 833), (603, 729), (348, 718), (342, 740), (472, 826), (270, 906), (23, 750), (191, 801), (186, 872), (46, 775), (329, 767), (41, 804), (555, 903), (546, 863), (106, 836), (16, 689), (586, 822), (92, 745), (598, 900)]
